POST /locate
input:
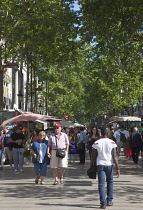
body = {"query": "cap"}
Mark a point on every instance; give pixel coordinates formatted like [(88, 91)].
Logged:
[(57, 125)]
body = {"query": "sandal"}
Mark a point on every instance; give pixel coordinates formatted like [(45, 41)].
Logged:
[(42, 182), (36, 181), (55, 183), (61, 180)]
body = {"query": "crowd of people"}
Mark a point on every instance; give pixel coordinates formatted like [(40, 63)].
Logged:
[(65, 145)]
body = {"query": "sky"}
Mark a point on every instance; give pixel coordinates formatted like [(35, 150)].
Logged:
[(76, 6)]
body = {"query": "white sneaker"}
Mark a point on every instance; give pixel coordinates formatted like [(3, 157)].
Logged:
[(16, 170), (21, 170)]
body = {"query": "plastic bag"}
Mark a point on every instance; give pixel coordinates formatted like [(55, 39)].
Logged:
[(3, 158)]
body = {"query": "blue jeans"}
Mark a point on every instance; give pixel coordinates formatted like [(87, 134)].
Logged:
[(105, 173), (0, 156), (40, 169), (18, 158)]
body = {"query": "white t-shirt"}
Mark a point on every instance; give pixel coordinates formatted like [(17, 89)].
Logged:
[(104, 147)]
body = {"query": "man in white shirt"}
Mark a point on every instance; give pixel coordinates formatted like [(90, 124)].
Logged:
[(104, 152)]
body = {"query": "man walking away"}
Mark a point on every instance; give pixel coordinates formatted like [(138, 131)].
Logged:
[(118, 140), (82, 140), (104, 152), (135, 144), (126, 133)]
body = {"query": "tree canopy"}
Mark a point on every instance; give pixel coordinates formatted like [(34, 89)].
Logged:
[(89, 61)]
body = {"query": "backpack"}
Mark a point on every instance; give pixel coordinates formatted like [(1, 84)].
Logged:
[(122, 137)]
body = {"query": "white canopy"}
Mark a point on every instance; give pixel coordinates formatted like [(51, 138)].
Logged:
[(125, 118), (66, 123)]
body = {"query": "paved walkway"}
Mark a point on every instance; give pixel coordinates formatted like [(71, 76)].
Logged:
[(18, 191)]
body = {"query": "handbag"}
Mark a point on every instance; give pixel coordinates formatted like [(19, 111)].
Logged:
[(60, 153), (80, 146), (91, 172), (3, 158)]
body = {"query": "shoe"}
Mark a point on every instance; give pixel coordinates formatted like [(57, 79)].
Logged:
[(42, 182), (21, 170), (36, 181), (109, 203), (1, 167), (61, 180), (55, 183), (10, 167), (15, 170), (102, 206)]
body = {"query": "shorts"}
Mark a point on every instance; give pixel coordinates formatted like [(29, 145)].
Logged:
[(56, 162)]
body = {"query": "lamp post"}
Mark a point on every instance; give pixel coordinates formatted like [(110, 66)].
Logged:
[(20, 97), (140, 107)]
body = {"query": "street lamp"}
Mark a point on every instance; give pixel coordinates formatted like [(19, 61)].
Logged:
[(20, 97), (140, 107)]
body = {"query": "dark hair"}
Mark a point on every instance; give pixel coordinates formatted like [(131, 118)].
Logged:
[(37, 131), (104, 131), (97, 132)]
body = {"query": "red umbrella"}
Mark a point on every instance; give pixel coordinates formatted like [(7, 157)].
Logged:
[(29, 116)]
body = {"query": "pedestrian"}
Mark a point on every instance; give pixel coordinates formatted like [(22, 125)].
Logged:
[(1, 147), (39, 153), (135, 144), (92, 137), (18, 141), (81, 145), (58, 140), (35, 135), (104, 153), (7, 145), (118, 141), (126, 133)]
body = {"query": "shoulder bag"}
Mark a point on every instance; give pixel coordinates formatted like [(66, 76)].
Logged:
[(60, 153)]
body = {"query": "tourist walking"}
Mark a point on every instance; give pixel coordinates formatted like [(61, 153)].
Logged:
[(58, 141), (135, 144), (104, 153), (1, 147), (18, 140), (81, 145), (92, 137), (118, 141), (8, 145), (40, 158)]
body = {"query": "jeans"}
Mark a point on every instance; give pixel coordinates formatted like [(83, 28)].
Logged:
[(105, 173), (0, 156), (18, 158), (40, 169)]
